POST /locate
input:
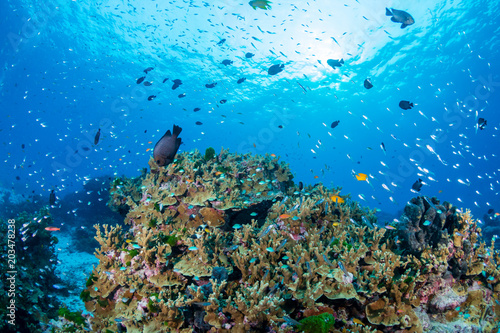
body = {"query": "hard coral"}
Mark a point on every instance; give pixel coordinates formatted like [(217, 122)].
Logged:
[(236, 246)]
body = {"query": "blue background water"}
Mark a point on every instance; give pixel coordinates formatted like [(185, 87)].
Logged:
[(69, 68)]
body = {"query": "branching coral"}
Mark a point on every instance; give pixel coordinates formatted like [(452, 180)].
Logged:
[(229, 243)]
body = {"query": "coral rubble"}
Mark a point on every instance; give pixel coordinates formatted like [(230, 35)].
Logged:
[(227, 243)]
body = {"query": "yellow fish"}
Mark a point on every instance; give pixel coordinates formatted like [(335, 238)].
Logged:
[(361, 176), (336, 198), (357, 321), (262, 4)]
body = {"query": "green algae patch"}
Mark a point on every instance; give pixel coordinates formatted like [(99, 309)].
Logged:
[(317, 324)]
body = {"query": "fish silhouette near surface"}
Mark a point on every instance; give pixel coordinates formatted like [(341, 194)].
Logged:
[(166, 148), (262, 4), (400, 16), (405, 105), (368, 84), (177, 84), (248, 55), (335, 63), (275, 69)]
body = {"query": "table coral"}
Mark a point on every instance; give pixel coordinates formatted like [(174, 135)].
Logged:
[(227, 242)]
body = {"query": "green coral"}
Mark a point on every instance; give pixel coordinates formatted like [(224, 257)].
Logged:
[(209, 154), (85, 296), (75, 317), (317, 324), (91, 280)]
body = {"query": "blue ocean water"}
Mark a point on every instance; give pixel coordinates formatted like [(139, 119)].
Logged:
[(71, 67)]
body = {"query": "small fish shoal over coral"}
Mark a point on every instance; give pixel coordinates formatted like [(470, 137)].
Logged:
[(228, 243)]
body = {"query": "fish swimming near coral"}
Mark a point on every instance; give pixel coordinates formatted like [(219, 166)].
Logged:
[(417, 185), (400, 16), (166, 148), (405, 105), (52, 198), (335, 63)]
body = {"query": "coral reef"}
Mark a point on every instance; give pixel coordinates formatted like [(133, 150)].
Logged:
[(34, 282), (230, 244)]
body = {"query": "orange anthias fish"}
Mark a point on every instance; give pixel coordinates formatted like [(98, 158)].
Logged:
[(336, 198), (52, 229), (284, 216), (361, 176)]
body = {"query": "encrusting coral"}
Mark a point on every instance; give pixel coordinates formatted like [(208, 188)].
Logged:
[(227, 243)]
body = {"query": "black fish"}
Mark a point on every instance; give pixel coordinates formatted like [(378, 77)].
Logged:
[(165, 80), (148, 70), (211, 85), (280, 126), (196, 109), (221, 41), (335, 63), (241, 80), (248, 55), (301, 186), (222, 101), (139, 80), (417, 185), (199, 123), (335, 124), (226, 62), (166, 148), (147, 83), (405, 105), (491, 211), (176, 84), (52, 198), (481, 123), (18, 178), (368, 84), (275, 69), (182, 95), (97, 136), (400, 16), (383, 146), (22, 146), (150, 98)]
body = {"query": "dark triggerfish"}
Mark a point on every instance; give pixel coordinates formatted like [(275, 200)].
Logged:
[(166, 148)]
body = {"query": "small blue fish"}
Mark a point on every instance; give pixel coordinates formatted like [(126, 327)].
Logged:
[(282, 244), (270, 249), (253, 260), (253, 214), (237, 226), (295, 218), (320, 201), (365, 221), (427, 223), (193, 248), (342, 267)]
